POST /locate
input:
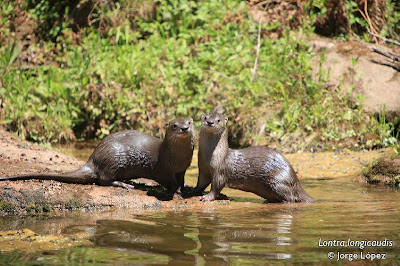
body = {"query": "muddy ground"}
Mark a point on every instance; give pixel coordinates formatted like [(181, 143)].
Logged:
[(33, 196)]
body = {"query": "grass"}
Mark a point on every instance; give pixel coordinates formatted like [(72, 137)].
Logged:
[(192, 56)]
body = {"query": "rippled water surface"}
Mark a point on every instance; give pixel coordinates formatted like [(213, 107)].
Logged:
[(241, 231)]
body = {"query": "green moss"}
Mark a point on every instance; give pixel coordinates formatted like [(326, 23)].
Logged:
[(396, 181), (384, 171), (38, 207), (47, 207), (72, 205), (31, 208), (7, 207)]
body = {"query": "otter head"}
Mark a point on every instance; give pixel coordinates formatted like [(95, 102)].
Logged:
[(213, 123), (180, 128)]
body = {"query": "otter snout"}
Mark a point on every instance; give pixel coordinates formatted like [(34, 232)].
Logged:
[(181, 127), (184, 129), (213, 122)]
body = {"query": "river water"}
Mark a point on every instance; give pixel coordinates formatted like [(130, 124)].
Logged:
[(242, 231)]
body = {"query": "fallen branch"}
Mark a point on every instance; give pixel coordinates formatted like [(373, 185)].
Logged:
[(386, 64), (384, 39), (386, 54)]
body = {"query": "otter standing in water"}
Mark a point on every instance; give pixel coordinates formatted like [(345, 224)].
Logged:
[(131, 154), (260, 170)]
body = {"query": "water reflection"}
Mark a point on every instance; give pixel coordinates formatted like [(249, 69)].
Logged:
[(245, 231), (196, 237), (233, 235)]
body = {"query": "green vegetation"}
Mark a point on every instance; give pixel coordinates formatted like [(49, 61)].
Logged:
[(6, 207), (38, 207), (136, 72), (385, 171), (355, 18)]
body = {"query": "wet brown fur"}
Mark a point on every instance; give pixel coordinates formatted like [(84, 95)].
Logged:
[(258, 169)]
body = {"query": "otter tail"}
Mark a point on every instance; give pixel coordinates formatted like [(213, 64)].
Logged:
[(306, 198), (83, 175), (302, 196)]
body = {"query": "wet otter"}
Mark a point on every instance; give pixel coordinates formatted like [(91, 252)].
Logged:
[(260, 170), (131, 154)]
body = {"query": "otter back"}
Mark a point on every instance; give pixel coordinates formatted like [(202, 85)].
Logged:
[(265, 172)]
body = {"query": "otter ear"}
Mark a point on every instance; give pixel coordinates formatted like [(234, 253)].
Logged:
[(203, 116), (226, 120), (167, 125), (191, 120)]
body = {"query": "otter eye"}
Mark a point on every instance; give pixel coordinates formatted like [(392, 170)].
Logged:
[(175, 126), (218, 120), (189, 122)]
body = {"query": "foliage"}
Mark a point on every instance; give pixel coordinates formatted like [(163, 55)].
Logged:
[(392, 27), (50, 14), (7, 10), (190, 57), (351, 19)]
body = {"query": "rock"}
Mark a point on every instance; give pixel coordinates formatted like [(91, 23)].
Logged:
[(379, 84)]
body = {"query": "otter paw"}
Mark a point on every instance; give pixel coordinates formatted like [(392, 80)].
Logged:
[(208, 197), (177, 196), (123, 185)]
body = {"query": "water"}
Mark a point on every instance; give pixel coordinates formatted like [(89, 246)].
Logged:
[(241, 231)]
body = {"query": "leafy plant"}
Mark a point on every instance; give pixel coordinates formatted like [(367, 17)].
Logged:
[(183, 61)]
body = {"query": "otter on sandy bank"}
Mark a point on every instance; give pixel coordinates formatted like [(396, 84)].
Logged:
[(260, 170), (131, 154)]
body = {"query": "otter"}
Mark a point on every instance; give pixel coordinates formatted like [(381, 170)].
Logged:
[(131, 154), (260, 170)]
